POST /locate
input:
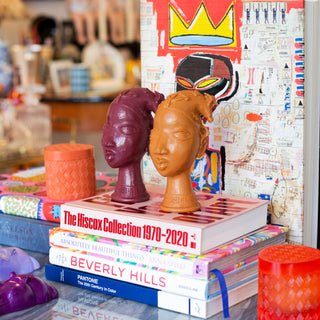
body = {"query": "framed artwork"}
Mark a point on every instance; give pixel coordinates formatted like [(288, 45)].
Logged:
[(59, 73)]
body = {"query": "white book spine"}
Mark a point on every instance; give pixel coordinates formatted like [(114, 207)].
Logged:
[(131, 228), (190, 287), (128, 253), (205, 308)]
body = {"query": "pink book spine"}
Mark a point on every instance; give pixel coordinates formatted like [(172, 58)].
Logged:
[(127, 252), (126, 272), (245, 242), (156, 258)]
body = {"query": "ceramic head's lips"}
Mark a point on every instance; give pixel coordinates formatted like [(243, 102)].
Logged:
[(160, 162)]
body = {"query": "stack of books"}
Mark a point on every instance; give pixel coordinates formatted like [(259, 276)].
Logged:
[(197, 263), (26, 212)]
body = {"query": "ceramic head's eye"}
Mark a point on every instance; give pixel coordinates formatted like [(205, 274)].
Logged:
[(182, 135), (13, 252)]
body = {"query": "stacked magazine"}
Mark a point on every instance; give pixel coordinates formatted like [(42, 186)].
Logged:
[(198, 263)]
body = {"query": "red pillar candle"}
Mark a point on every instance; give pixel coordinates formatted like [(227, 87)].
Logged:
[(289, 283), (70, 171)]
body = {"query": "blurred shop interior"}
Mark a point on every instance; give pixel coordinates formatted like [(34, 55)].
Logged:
[(61, 65)]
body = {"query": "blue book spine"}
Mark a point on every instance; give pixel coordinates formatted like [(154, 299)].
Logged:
[(25, 233), (105, 285)]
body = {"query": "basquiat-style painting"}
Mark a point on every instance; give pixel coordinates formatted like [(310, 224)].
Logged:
[(250, 56)]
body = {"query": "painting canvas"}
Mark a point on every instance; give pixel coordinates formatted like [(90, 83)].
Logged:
[(250, 55)]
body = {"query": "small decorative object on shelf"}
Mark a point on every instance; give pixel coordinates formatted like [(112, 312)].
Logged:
[(70, 171), (33, 118), (17, 260), (289, 282), (126, 139), (80, 78), (23, 292), (177, 139)]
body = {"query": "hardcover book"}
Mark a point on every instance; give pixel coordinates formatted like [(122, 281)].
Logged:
[(177, 262), (24, 194), (25, 233), (188, 286), (161, 299), (220, 219), (264, 137)]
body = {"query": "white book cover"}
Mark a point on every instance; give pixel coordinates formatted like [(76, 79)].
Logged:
[(219, 220)]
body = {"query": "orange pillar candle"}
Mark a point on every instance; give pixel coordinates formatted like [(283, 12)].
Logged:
[(70, 171), (289, 283)]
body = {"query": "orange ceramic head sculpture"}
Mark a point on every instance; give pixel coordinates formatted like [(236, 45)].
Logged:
[(126, 139), (177, 139)]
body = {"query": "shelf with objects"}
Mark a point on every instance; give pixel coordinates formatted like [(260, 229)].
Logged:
[(74, 82), (251, 152)]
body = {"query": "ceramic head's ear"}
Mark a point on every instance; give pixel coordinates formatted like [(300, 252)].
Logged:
[(204, 132)]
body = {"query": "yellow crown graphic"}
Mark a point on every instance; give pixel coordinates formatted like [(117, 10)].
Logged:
[(201, 31)]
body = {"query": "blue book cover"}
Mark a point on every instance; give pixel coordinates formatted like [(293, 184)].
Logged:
[(25, 233)]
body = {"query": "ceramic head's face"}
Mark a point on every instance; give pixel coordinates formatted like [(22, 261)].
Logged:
[(125, 137), (174, 142)]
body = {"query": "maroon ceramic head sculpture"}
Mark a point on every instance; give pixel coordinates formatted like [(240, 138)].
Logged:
[(23, 292), (125, 140)]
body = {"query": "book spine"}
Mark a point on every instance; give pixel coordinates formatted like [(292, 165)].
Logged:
[(102, 284), (131, 228), (25, 233), (158, 258), (117, 288), (150, 296), (127, 252), (207, 309), (126, 272)]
